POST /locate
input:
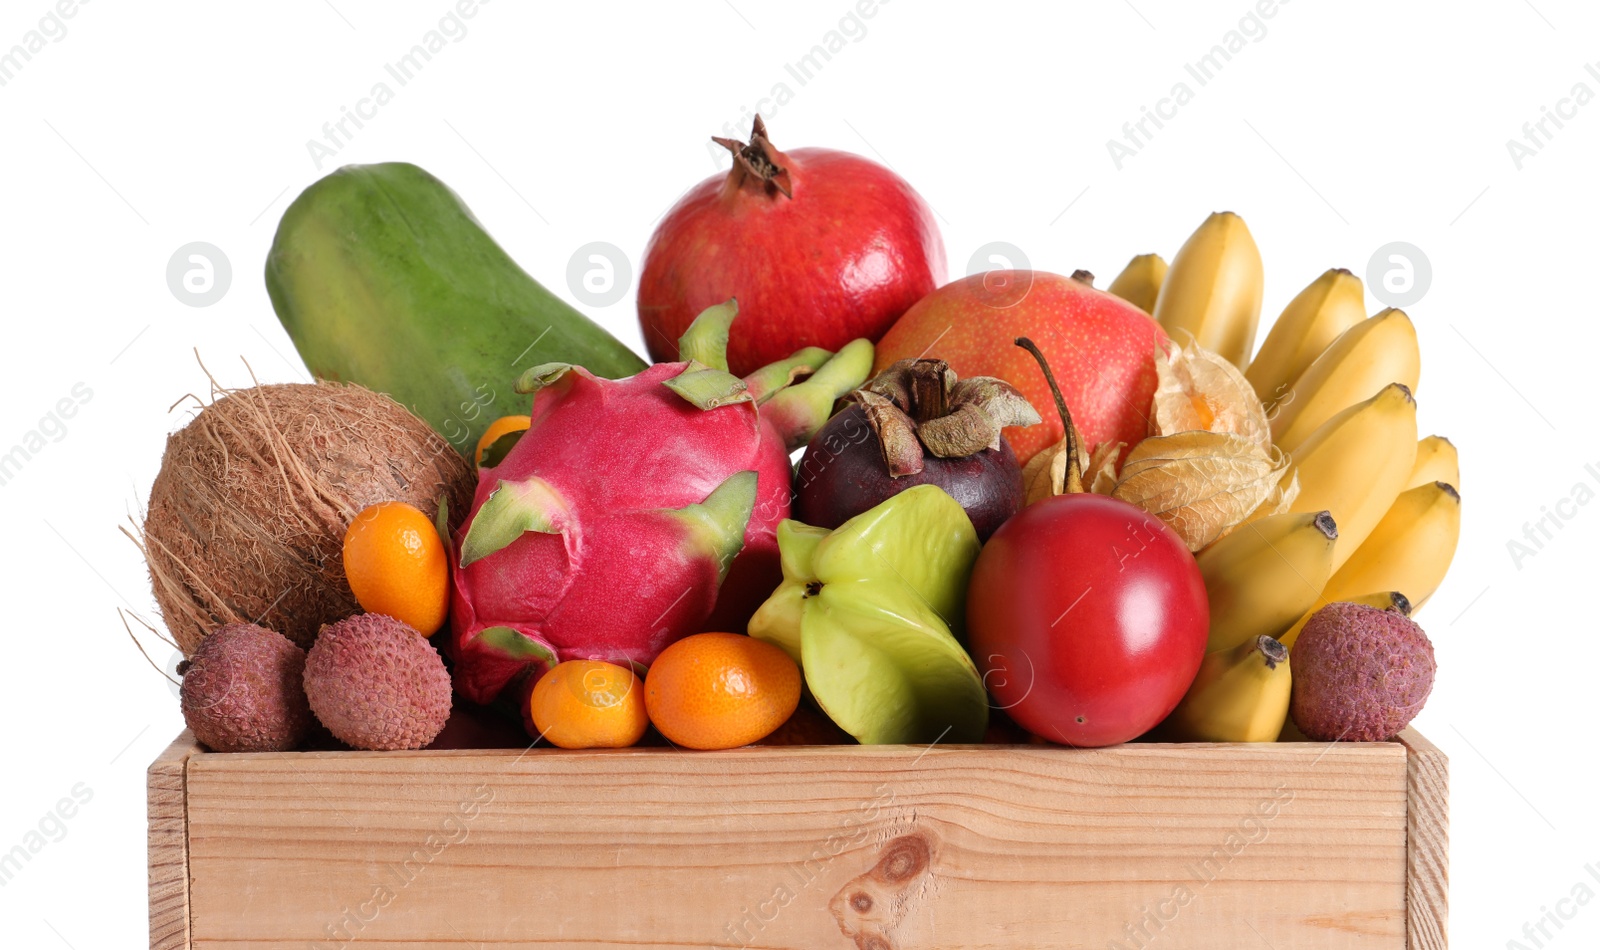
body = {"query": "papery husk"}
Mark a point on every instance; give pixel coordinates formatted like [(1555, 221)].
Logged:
[(1100, 475), (1200, 483), (1280, 499), (1278, 502), (1197, 389), (1045, 474)]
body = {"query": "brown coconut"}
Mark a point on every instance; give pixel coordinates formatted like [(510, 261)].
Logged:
[(247, 516)]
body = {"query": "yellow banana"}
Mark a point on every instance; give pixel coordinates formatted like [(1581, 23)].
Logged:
[(1387, 600), (1140, 281), (1263, 575), (1239, 695), (1355, 464), (1330, 305), (1436, 462), (1365, 358), (1212, 293), (1409, 551)]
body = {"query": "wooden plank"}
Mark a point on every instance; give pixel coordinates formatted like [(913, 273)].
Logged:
[(168, 845), (890, 848), (1427, 843)]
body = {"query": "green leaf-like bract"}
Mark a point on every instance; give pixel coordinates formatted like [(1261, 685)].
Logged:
[(510, 511), (873, 611), (715, 528), (706, 340)]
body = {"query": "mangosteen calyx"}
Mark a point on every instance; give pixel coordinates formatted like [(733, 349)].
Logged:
[(919, 406)]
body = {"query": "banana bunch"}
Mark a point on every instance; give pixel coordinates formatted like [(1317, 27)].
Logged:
[(1266, 574), (1141, 281), (1377, 515), (1241, 694), (1363, 359), (1409, 550), (1212, 292), (1436, 462), (1383, 600), (1330, 305)]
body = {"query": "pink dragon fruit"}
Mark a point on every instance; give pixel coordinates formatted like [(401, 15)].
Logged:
[(634, 512)]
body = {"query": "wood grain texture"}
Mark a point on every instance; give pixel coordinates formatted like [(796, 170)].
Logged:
[(880, 848), (1427, 843), (168, 845)]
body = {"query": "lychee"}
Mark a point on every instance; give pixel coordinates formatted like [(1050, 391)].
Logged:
[(1360, 673), (241, 691), (376, 683)]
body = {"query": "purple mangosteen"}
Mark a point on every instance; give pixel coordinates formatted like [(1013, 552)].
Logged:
[(916, 424)]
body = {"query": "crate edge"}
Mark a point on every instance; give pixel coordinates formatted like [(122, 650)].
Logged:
[(167, 815), (1427, 843)]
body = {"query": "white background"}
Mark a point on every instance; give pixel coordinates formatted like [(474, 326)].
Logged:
[(1345, 127)]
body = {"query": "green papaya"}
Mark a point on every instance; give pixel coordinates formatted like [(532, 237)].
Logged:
[(382, 277)]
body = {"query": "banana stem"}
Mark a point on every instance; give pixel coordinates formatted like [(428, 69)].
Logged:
[(1272, 651)]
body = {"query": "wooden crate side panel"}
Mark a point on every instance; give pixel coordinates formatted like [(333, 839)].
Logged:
[(1427, 843), (1213, 846), (168, 845)]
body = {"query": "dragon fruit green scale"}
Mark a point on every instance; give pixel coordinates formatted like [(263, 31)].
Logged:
[(634, 512)]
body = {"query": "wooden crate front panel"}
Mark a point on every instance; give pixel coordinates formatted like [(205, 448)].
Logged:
[(813, 848)]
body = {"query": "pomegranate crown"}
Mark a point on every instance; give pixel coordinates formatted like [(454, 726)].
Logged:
[(758, 162)]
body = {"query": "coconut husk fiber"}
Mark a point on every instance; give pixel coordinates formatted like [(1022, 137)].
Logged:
[(247, 516)]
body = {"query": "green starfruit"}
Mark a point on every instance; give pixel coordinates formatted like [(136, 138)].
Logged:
[(874, 610)]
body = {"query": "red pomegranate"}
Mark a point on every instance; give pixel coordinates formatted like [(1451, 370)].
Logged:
[(820, 247)]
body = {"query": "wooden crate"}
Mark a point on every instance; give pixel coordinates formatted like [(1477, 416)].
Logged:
[(1293, 845)]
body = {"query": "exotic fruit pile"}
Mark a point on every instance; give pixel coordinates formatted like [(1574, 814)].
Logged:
[(849, 503)]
